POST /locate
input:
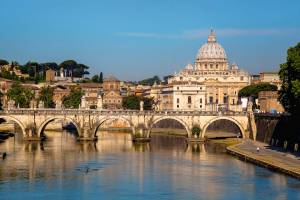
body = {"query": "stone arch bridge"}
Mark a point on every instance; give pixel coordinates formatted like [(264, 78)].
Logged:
[(87, 121)]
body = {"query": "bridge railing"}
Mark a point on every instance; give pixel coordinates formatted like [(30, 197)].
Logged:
[(50, 111)]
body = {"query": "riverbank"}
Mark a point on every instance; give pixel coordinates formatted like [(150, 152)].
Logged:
[(277, 161), (225, 142)]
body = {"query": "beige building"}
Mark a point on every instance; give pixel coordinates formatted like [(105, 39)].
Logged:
[(92, 93), (270, 77), (268, 101), (211, 80), (112, 98), (50, 75)]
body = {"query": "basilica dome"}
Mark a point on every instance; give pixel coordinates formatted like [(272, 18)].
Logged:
[(211, 49)]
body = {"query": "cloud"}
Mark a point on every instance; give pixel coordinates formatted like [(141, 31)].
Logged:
[(202, 33)]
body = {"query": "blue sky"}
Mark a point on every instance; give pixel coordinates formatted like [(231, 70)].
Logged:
[(135, 39)]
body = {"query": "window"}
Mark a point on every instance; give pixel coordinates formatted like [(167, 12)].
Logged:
[(177, 88), (241, 78), (217, 66), (201, 100), (189, 99), (200, 106), (177, 106), (181, 78), (211, 66), (225, 99), (233, 101), (211, 99), (177, 100)]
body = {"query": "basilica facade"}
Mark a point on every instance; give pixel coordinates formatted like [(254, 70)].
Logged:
[(210, 83)]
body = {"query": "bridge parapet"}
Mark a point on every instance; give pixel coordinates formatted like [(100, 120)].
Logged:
[(24, 111)]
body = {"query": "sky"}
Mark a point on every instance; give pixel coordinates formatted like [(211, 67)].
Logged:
[(137, 39)]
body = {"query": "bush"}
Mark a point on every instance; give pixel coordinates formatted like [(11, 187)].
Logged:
[(196, 130)]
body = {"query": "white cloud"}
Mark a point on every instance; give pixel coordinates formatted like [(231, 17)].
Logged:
[(226, 32)]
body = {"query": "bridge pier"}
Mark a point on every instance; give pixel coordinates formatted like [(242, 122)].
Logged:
[(87, 134), (141, 134), (31, 133)]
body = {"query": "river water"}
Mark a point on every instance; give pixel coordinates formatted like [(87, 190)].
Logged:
[(115, 168)]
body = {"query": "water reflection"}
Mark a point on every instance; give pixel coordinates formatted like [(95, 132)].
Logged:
[(114, 167)]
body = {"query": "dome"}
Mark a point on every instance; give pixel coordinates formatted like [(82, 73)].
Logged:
[(211, 49), (189, 66)]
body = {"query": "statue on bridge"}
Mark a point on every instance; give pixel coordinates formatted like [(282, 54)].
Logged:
[(141, 105)]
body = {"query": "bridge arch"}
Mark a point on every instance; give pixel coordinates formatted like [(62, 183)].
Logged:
[(237, 123), (99, 123), (16, 121), (186, 127), (47, 121)]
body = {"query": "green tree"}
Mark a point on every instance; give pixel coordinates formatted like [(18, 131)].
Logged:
[(80, 70), (196, 130), (101, 77), (150, 81), (21, 96), (95, 79), (69, 65), (253, 90), (72, 100), (289, 94), (3, 62), (165, 78), (132, 102), (46, 95)]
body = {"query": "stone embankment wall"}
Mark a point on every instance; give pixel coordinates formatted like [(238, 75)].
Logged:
[(278, 131)]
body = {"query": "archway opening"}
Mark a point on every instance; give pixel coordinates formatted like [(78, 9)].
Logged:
[(10, 128), (223, 128), (168, 127), (59, 130), (114, 131)]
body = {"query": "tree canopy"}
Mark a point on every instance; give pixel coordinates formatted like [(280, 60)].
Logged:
[(150, 81), (253, 90), (46, 95), (98, 78), (132, 102), (3, 62), (37, 71), (289, 94), (21, 96), (73, 100)]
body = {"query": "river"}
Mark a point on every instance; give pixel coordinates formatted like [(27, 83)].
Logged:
[(115, 168)]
